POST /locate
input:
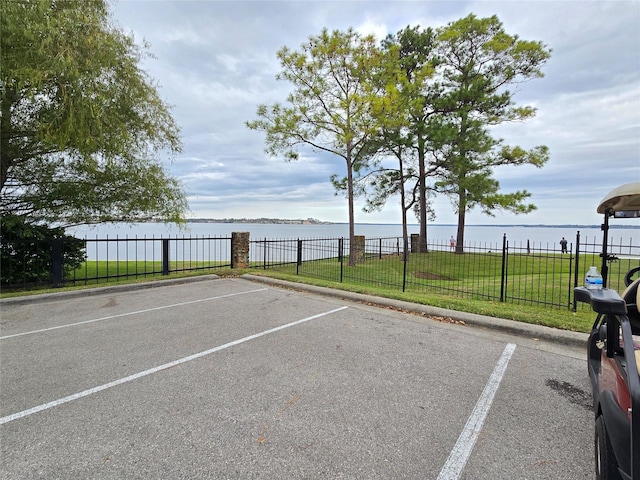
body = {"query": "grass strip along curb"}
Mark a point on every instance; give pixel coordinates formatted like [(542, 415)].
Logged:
[(532, 331), (93, 290)]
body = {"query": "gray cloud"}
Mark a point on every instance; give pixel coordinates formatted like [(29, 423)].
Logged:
[(215, 61)]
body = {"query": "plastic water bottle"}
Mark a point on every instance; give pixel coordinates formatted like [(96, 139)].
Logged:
[(593, 280)]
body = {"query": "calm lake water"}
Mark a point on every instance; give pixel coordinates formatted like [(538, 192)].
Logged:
[(542, 236)]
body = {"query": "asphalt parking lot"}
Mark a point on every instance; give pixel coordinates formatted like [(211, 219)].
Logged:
[(232, 378)]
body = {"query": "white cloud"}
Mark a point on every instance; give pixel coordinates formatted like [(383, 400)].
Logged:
[(373, 27)]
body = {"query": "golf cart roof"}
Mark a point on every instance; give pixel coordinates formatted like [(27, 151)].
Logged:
[(623, 198)]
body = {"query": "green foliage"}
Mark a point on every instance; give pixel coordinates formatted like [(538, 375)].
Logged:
[(329, 107), (81, 124), (405, 108), (480, 61), (426, 97), (26, 251), (444, 88)]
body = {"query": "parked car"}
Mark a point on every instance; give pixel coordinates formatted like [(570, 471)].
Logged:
[(613, 354)]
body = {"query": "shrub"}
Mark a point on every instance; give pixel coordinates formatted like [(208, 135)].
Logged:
[(26, 251)]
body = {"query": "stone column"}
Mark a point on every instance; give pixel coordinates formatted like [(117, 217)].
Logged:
[(239, 249), (415, 238)]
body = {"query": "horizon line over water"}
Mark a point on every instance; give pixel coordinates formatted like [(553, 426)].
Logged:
[(524, 225), (540, 235)]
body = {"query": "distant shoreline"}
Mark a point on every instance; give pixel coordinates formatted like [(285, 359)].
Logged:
[(313, 221), (262, 221)]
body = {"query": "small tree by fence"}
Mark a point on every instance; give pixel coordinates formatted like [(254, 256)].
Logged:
[(502, 271)]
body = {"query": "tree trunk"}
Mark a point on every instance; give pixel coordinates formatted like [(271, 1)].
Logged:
[(462, 190), (352, 230), (422, 187), (462, 211), (405, 230)]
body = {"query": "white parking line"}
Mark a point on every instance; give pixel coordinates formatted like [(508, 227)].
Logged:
[(91, 391), (110, 317), (462, 449)]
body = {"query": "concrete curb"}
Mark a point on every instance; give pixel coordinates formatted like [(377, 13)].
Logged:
[(129, 287), (562, 337), (555, 335)]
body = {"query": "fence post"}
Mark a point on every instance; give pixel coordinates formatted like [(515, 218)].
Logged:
[(604, 268), (576, 273), (570, 290), (503, 276), (264, 254), (165, 256), (405, 249), (341, 255), (299, 262), (405, 259), (57, 262), (240, 249)]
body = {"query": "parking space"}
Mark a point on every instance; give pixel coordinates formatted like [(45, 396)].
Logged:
[(229, 378)]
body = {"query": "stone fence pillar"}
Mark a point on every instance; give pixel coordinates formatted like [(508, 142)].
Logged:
[(239, 249), (415, 243)]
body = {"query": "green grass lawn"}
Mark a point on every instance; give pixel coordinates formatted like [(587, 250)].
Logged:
[(528, 279), (469, 283), (579, 321)]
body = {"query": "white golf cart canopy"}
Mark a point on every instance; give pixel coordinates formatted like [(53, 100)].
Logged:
[(623, 201)]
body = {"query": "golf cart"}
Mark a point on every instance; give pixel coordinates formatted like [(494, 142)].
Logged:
[(614, 353)]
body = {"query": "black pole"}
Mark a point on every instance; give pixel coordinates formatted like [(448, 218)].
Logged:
[(341, 255), (264, 254), (504, 267), (577, 268), (605, 249), (165, 256), (57, 262)]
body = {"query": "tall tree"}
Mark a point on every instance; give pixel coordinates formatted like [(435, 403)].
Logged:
[(329, 108), (410, 63), (81, 125), (479, 61), (394, 111)]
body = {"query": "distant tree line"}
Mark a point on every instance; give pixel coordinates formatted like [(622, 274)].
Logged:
[(262, 220)]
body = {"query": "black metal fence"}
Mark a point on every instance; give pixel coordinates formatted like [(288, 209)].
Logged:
[(531, 273), (112, 259), (520, 273)]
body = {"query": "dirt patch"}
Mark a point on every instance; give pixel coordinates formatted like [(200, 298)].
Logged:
[(420, 314), (430, 276)]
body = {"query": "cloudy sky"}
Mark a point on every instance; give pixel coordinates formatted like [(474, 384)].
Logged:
[(215, 61)]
